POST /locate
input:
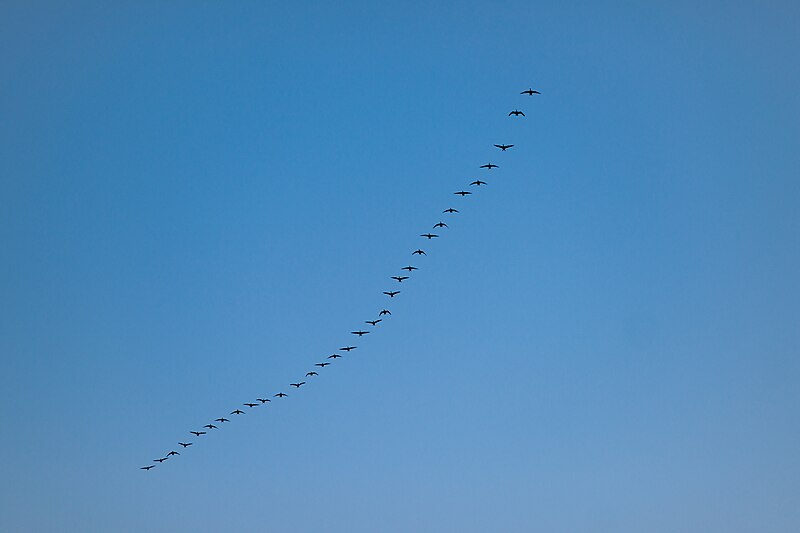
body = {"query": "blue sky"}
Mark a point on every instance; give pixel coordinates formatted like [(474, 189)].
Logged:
[(198, 201)]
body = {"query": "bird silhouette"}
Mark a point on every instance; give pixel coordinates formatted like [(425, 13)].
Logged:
[(400, 278), (391, 294), (263, 400), (360, 333), (161, 460), (516, 113), (348, 348), (440, 225), (462, 193), (185, 444), (504, 147), (210, 426), (478, 182), (386, 311), (450, 210), (489, 166), (237, 412), (197, 433), (530, 92), (250, 404), (297, 384), (148, 467), (334, 356), (429, 235), (373, 322), (173, 452), (281, 395), (221, 420), (321, 365), (311, 374), (418, 252), (409, 268)]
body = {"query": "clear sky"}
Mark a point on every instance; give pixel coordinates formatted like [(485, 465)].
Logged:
[(200, 200)]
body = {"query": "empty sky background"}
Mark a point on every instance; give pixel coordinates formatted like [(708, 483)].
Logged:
[(199, 200)]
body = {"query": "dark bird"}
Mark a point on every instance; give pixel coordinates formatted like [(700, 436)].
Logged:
[(409, 268), (148, 467), (418, 252), (185, 444), (386, 311), (440, 225), (504, 147), (221, 420), (334, 356), (161, 460), (321, 365), (360, 333), (489, 166), (450, 210), (462, 193), (400, 278), (197, 433), (391, 294), (530, 92), (237, 412), (263, 400), (478, 182), (373, 322), (210, 426), (429, 235), (281, 395), (297, 384), (516, 113), (172, 453), (311, 374), (348, 348), (250, 404)]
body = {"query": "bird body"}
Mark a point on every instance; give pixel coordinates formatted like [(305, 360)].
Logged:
[(173, 453), (478, 182), (237, 412), (250, 404), (429, 235), (185, 444), (210, 426), (311, 374), (348, 348), (386, 311), (321, 365), (359, 333), (441, 225), (197, 433), (419, 252), (391, 294), (148, 467), (263, 400), (373, 322), (409, 268), (297, 385), (221, 420), (489, 166), (530, 92), (504, 147), (516, 113), (450, 210), (281, 395), (334, 356), (462, 193), (400, 278)]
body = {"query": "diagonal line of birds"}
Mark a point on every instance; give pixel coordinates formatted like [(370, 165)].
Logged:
[(313, 374)]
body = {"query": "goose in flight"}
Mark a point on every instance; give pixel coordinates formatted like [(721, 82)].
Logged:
[(516, 113), (360, 333), (504, 147), (197, 433), (161, 460), (409, 268), (391, 294), (281, 395), (348, 348), (400, 278), (450, 210), (334, 356), (489, 166), (478, 182), (373, 322), (148, 467), (250, 404), (221, 420), (210, 426), (419, 252), (237, 412), (530, 92), (321, 365), (386, 311), (308, 374), (462, 193), (429, 235), (263, 400), (441, 225), (185, 444), (173, 452), (297, 385)]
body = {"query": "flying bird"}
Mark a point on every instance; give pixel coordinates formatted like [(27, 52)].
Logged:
[(210, 426), (373, 322), (237, 412), (530, 92), (321, 365), (419, 252), (386, 311), (516, 113), (400, 278), (489, 166), (429, 235), (462, 193), (478, 182), (348, 348), (441, 225), (504, 147), (391, 294), (172, 453), (148, 467), (334, 356), (297, 384), (311, 374), (185, 444), (197, 433), (409, 268), (361, 333), (263, 400), (161, 460), (281, 395), (221, 420), (450, 210), (250, 404)]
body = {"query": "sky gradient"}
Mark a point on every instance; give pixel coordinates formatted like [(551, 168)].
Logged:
[(200, 200)]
